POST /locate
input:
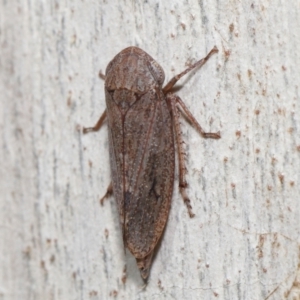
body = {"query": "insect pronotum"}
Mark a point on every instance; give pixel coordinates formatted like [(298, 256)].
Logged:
[(141, 116)]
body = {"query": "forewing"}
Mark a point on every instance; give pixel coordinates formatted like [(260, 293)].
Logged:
[(116, 149), (148, 171)]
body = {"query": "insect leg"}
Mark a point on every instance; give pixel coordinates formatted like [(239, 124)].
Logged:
[(191, 118), (181, 154), (199, 64), (101, 75), (97, 126), (108, 193)]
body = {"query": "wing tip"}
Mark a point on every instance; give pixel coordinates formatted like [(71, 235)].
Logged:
[(144, 265)]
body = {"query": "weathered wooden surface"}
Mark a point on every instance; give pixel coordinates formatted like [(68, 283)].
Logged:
[(57, 242)]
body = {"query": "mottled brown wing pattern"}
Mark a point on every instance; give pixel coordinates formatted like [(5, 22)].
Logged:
[(141, 165), (149, 167), (115, 138)]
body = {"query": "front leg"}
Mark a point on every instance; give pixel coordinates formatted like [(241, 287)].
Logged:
[(98, 124), (108, 193)]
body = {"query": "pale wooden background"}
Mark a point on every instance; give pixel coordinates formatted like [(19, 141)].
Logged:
[(58, 243)]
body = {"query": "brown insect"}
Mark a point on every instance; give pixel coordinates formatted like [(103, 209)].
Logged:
[(141, 116)]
